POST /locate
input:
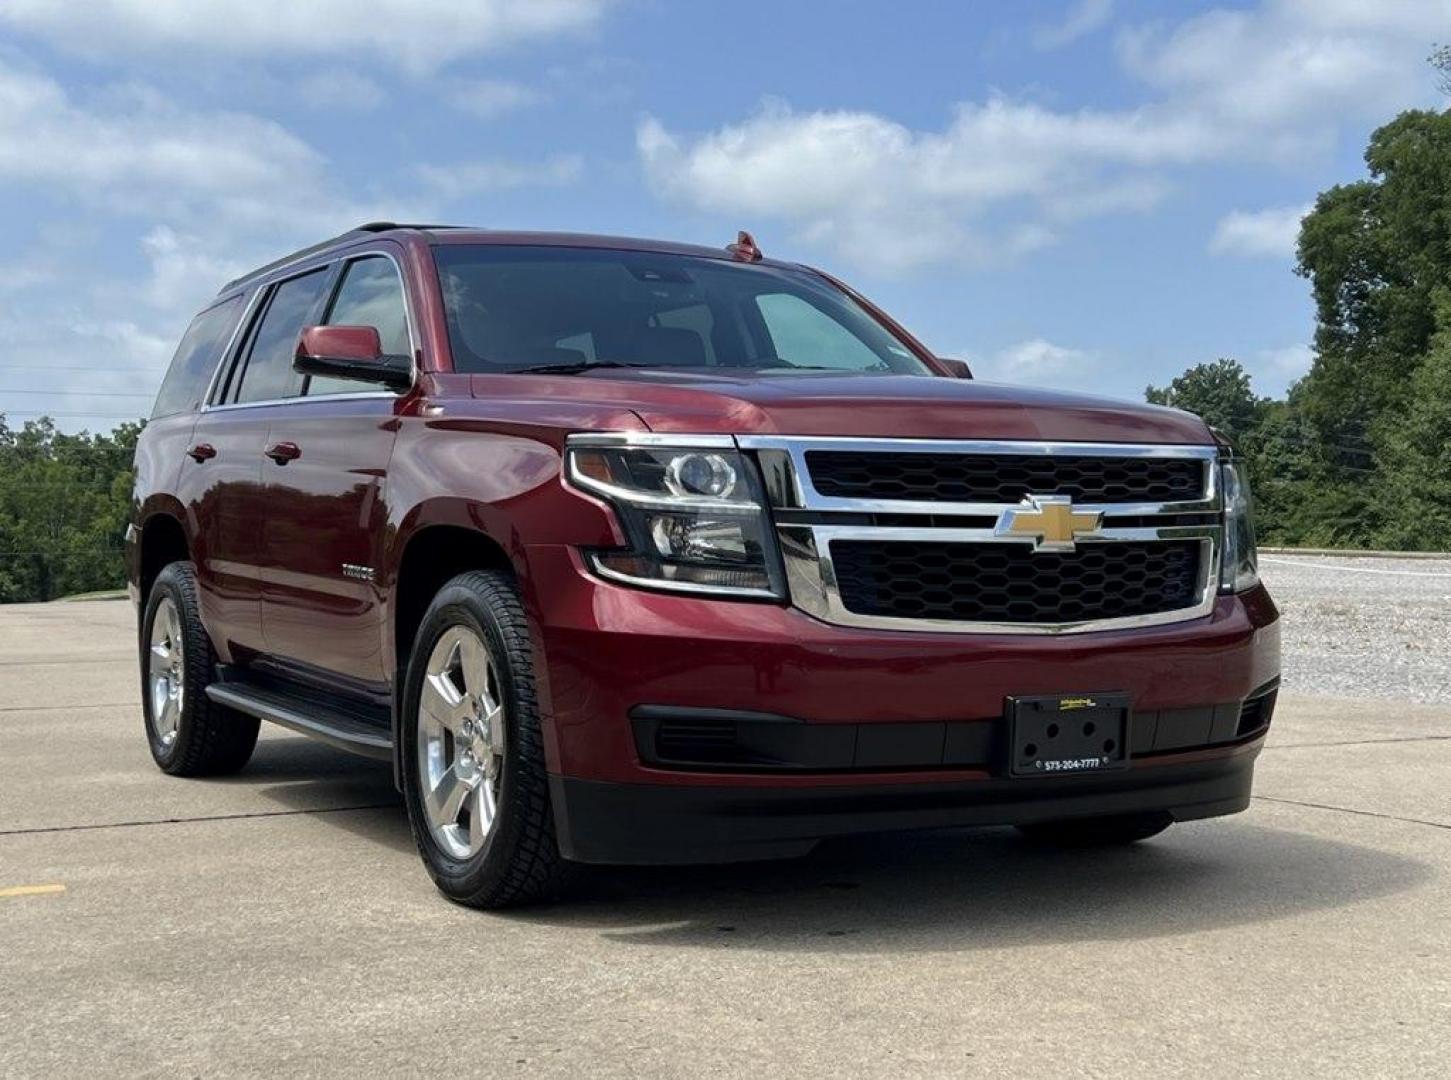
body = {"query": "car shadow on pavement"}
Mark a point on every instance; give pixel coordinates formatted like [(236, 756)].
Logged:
[(352, 793), (925, 891), (948, 891)]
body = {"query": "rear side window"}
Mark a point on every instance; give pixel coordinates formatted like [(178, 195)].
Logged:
[(196, 358), (269, 374)]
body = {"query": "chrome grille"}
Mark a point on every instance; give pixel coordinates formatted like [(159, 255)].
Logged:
[(1004, 478), (929, 534)]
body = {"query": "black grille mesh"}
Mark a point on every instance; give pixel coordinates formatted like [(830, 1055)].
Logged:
[(1003, 478), (1013, 584)]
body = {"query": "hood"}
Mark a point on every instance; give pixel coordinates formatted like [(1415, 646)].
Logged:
[(869, 406)]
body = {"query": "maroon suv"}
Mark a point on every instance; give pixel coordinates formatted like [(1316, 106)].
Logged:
[(632, 552)]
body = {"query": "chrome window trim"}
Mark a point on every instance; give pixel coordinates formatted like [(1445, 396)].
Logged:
[(266, 287), (812, 583), (360, 396), (227, 359), (808, 498)]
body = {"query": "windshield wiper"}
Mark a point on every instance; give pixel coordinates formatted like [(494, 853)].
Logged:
[(574, 368), (776, 363)]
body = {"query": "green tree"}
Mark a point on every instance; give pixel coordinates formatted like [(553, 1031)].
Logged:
[(64, 503), (1219, 392), (1418, 442), (1270, 434), (1378, 254)]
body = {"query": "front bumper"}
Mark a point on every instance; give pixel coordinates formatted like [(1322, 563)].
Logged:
[(608, 650), (648, 824)]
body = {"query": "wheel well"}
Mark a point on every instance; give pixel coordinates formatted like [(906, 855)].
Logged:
[(431, 559), (163, 541)]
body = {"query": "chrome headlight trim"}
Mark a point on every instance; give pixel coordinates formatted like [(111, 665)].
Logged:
[(637, 508)]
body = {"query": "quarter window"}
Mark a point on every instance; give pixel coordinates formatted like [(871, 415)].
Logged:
[(196, 358), (269, 374)]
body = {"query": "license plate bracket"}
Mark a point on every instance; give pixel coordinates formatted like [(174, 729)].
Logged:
[(1059, 735)]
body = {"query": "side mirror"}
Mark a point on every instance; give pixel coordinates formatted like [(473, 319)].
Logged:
[(958, 369), (350, 352)]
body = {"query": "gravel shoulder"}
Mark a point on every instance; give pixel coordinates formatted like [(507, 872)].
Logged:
[(1364, 627)]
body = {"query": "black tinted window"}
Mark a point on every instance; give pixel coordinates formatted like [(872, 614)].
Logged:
[(196, 358), (269, 372), (370, 295), (511, 308)]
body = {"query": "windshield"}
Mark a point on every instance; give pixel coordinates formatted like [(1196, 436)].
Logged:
[(532, 308)]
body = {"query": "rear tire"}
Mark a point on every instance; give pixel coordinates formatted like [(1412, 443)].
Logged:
[(1098, 832), (474, 777), (188, 733)]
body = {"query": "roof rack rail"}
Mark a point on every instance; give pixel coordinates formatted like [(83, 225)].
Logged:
[(301, 253), (385, 226)]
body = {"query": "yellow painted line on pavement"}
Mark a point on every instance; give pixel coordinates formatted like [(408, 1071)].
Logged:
[(30, 890)]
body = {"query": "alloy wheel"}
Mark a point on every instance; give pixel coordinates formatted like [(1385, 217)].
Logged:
[(165, 673), (460, 742)]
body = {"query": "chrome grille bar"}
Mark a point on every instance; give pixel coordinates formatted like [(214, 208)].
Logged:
[(806, 547)]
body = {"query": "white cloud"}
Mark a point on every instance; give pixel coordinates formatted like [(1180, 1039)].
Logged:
[(476, 177), (419, 35), (1264, 86), (83, 371), (184, 269), (870, 187), (1270, 233), (338, 88), (201, 195), (131, 152), (1038, 362), (1276, 369), (136, 152), (490, 97), (1291, 67), (1082, 19)]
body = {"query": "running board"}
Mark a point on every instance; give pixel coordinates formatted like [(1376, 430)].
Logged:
[(321, 720)]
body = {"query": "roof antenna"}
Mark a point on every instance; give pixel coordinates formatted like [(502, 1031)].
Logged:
[(745, 248)]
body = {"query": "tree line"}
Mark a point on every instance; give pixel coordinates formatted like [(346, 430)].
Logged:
[(64, 503), (1358, 454)]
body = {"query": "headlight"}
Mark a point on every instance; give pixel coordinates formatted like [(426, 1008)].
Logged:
[(1240, 566), (694, 516)]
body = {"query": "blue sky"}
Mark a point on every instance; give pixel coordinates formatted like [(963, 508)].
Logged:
[(1092, 194)]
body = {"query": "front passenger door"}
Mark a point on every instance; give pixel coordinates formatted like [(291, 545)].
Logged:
[(325, 484)]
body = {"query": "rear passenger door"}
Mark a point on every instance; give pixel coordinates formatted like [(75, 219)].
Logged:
[(325, 483), (221, 482)]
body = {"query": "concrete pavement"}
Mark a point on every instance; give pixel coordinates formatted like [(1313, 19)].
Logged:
[(280, 923)]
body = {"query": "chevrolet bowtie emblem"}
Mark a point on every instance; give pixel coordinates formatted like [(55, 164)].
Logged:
[(1050, 521)]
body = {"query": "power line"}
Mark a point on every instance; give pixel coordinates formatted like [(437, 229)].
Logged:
[(81, 393), (72, 415), (81, 367)]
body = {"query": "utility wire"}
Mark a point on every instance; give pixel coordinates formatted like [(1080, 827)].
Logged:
[(81, 393)]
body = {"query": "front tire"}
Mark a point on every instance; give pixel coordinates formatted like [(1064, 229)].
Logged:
[(188, 733), (1098, 832), (474, 778)]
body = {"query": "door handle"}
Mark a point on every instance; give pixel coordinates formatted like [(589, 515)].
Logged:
[(202, 452), (284, 452)]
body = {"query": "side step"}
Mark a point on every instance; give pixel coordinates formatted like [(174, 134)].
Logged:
[(310, 715)]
